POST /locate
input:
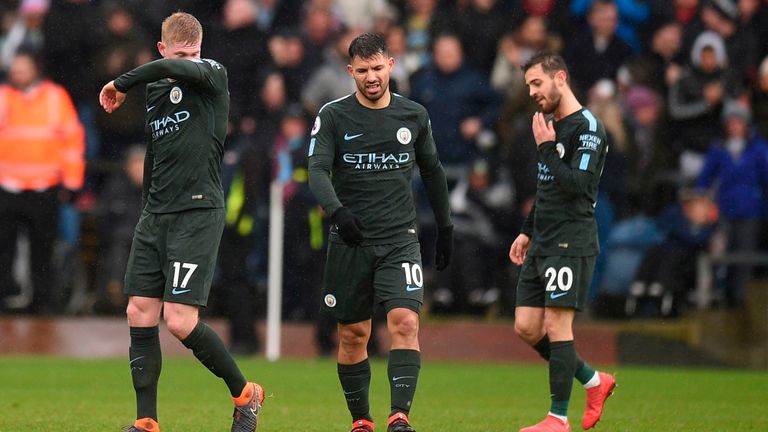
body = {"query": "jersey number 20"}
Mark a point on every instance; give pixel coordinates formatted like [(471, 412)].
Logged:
[(562, 278)]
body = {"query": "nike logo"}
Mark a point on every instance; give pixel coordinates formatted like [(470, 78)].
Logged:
[(352, 392), (348, 137), (557, 295), (402, 377), (151, 108), (412, 288), (138, 368), (176, 292)]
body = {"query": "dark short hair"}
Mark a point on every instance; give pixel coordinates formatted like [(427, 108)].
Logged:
[(25, 50), (367, 45), (550, 62)]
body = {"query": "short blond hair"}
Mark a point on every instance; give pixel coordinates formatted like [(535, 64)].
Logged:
[(181, 27)]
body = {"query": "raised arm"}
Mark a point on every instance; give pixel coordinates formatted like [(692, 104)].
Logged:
[(202, 73)]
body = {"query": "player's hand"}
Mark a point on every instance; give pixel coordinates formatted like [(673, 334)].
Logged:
[(348, 226), (110, 98), (443, 247), (519, 249), (543, 131)]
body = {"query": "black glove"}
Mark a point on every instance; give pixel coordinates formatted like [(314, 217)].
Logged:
[(444, 247), (348, 226)]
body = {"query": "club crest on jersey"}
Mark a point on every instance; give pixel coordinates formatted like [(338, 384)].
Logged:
[(330, 300), (316, 126), (404, 135), (176, 95), (560, 150)]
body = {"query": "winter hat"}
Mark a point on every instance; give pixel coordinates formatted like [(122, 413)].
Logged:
[(640, 96), (33, 6), (725, 8), (709, 39), (736, 109)]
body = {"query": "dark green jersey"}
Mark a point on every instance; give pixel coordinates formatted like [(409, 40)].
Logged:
[(187, 113), (562, 221), (363, 159)]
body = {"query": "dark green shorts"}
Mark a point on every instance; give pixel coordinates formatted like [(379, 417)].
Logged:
[(173, 255), (555, 281), (356, 278)]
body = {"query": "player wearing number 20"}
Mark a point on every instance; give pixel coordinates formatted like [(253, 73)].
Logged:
[(558, 245), (363, 149)]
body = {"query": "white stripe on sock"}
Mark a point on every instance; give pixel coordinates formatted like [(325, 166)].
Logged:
[(563, 419), (593, 382)]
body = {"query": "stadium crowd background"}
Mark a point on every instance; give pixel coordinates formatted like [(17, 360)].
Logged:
[(681, 85)]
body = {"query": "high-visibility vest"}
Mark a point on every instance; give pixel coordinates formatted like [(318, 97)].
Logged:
[(42, 142)]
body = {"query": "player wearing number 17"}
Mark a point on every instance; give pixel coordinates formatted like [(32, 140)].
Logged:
[(558, 245), (362, 153), (176, 240)]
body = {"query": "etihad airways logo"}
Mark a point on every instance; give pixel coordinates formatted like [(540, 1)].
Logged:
[(376, 161), (168, 124)]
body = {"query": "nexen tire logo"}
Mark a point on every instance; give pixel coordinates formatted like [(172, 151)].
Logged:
[(376, 161)]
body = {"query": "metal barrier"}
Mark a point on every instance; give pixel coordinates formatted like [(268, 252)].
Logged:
[(704, 292)]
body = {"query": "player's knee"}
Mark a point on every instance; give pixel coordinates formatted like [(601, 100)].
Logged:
[(137, 315), (179, 325), (405, 327), (352, 339), (529, 332), (132, 313)]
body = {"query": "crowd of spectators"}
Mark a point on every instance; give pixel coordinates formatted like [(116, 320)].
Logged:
[(681, 86)]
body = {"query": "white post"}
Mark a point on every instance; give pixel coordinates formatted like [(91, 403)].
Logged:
[(275, 274)]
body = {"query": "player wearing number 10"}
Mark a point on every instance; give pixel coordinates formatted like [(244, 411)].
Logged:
[(176, 240), (362, 153), (557, 246)]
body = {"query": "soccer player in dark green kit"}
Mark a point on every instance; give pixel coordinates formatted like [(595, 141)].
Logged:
[(362, 153), (176, 240), (557, 245)]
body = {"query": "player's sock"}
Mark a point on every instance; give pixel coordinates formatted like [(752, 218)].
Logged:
[(355, 380), (584, 372), (146, 361), (403, 370), (587, 376), (562, 362), (210, 350)]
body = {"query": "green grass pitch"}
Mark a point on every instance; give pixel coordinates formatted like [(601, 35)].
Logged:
[(51, 394)]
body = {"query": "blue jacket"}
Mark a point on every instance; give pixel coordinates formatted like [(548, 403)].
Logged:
[(451, 98), (742, 184)]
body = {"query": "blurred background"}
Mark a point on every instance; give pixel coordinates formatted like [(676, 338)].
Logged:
[(681, 86)]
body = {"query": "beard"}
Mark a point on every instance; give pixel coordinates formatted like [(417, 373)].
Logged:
[(550, 102)]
